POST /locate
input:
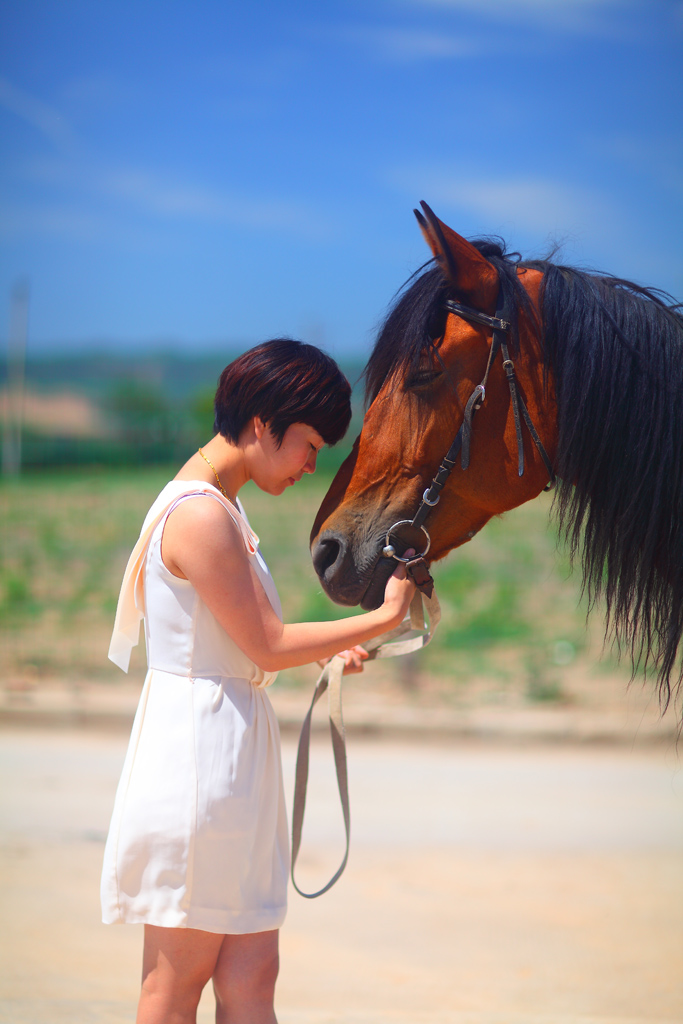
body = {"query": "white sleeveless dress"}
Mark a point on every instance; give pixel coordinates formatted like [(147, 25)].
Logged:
[(198, 837)]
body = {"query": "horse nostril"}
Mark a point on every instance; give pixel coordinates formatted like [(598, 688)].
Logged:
[(325, 554)]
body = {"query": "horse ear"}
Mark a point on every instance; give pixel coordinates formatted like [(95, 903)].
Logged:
[(468, 271)]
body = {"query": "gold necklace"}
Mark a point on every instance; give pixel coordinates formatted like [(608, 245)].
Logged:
[(218, 479)]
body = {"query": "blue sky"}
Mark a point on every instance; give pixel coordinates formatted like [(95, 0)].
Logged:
[(216, 173)]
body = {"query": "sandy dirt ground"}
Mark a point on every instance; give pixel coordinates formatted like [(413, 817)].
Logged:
[(487, 884)]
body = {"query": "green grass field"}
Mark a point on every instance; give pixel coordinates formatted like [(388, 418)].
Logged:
[(512, 618)]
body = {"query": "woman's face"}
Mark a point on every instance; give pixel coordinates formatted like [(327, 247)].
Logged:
[(282, 467)]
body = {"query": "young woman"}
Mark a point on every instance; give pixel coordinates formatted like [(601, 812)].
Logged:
[(198, 846)]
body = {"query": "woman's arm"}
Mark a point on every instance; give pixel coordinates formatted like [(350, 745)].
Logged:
[(201, 543)]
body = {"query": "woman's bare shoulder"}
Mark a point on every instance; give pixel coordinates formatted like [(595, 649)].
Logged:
[(200, 531), (205, 513), (203, 508)]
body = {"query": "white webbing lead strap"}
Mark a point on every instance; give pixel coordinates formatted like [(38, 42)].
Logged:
[(330, 679)]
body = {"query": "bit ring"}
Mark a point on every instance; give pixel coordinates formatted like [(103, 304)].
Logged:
[(389, 551)]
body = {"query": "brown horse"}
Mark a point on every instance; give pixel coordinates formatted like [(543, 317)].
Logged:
[(591, 365)]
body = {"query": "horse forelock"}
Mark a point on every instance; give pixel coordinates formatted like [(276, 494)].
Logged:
[(404, 335)]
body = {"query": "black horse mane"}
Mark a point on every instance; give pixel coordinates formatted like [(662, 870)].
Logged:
[(615, 351)]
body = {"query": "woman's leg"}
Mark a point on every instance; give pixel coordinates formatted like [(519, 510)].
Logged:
[(244, 979), (176, 965)]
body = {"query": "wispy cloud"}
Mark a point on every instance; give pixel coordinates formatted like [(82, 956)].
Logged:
[(487, 28), (539, 209), (84, 181), (164, 197), (100, 91), (656, 159), (535, 7), (407, 45), (45, 119), (63, 219), (577, 15), (93, 195)]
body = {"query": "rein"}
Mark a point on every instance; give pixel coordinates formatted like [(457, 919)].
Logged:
[(330, 678)]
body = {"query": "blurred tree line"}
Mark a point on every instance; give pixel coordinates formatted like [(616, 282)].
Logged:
[(143, 425), (150, 409)]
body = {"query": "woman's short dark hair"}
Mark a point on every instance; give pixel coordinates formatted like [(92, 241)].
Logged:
[(283, 382)]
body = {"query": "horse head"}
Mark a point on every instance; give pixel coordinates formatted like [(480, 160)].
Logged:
[(425, 366)]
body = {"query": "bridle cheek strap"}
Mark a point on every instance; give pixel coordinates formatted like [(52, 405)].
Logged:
[(462, 441)]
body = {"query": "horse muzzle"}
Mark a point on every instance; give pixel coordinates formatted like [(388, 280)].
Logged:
[(353, 573), (346, 570)]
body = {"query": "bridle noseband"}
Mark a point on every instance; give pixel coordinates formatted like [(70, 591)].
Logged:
[(500, 325)]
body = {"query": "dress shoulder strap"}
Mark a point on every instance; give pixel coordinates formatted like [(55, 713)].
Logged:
[(236, 513), (131, 605)]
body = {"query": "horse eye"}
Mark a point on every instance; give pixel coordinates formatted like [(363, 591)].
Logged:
[(422, 378)]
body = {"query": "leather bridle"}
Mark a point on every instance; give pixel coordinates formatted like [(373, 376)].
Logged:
[(500, 324)]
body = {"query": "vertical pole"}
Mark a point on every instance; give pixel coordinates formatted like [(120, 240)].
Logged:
[(16, 373)]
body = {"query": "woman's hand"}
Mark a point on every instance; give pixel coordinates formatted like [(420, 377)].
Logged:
[(399, 591), (353, 660)]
